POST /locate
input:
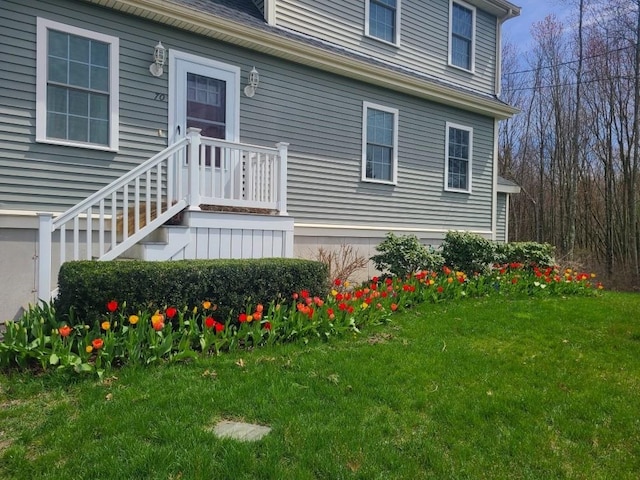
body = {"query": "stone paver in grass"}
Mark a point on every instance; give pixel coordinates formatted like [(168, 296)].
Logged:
[(246, 432)]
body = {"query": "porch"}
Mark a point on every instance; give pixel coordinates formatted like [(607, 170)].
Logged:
[(199, 198)]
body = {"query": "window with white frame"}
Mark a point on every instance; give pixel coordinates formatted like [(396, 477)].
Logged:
[(383, 20), (379, 143), (462, 21), (76, 86), (458, 154)]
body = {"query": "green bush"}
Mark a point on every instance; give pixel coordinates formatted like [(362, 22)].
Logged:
[(86, 286), (404, 255), (468, 252), (526, 253)]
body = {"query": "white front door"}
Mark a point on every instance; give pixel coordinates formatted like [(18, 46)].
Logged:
[(204, 93)]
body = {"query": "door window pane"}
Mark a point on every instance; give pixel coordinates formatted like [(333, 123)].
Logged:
[(206, 104)]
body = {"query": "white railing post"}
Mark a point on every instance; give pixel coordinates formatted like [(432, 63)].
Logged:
[(45, 230), (282, 177), (193, 134)]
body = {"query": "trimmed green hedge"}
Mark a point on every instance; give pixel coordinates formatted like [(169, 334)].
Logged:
[(88, 285)]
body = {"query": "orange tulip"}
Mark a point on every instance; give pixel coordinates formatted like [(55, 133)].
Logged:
[(65, 331)]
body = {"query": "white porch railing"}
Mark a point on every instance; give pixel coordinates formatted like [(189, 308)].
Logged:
[(236, 175), (192, 172)]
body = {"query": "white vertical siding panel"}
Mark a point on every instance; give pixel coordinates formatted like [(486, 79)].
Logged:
[(247, 243), (277, 244), (225, 243), (214, 243), (202, 242), (236, 238), (259, 242)]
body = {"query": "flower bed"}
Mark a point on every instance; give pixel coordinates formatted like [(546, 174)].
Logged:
[(179, 333)]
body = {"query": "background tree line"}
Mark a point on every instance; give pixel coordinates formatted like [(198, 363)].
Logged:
[(574, 147)]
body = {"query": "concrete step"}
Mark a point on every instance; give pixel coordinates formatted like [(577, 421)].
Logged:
[(162, 244)]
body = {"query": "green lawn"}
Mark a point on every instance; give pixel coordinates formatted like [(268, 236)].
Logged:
[(480, 389)]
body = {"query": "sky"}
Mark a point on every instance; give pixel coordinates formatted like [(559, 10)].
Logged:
[(518, 30)]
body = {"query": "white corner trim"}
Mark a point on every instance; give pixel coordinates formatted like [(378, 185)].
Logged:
[(494, 189), (270, 13)]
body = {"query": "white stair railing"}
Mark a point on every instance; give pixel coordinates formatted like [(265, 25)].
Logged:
[(121, 214), (193, 171)]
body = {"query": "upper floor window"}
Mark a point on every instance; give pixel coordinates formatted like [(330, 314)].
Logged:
[(76, 87), (383, 20), (379, 143), (462, 20), (458, 148)]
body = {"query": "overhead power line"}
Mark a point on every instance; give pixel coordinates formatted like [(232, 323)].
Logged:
[(559, 85), (569, 62)]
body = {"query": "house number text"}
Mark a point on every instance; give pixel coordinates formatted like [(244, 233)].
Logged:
[(162, 97)]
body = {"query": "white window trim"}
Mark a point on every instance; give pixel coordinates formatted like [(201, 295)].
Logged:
[(43, 25), (446, 157), (473, 36), (394, 170), (396, 42)]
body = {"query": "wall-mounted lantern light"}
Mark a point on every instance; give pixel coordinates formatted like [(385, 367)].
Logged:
[(252, 86), (159, 59)]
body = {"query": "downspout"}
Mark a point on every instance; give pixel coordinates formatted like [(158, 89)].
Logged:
[(506, 217), (496, 126), (499, 21), (494, 190)]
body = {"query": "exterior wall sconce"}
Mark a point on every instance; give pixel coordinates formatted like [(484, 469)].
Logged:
[(252, 86), (159, 59)]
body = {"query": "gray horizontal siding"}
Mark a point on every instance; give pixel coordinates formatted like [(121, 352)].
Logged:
[(320, 114), (27, 167), (424, 35)]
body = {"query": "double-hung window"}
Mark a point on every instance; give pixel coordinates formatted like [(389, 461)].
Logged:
[(462, 20), (77, 87), (383, 20), (379, 143), (458, 154)]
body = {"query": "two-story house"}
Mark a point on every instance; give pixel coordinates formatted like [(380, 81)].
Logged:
[(274, 126)]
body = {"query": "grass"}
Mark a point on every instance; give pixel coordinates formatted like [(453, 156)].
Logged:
[(479, 389)]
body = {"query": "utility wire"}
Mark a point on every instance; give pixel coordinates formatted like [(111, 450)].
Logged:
[(569, 62), (558, 85)]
